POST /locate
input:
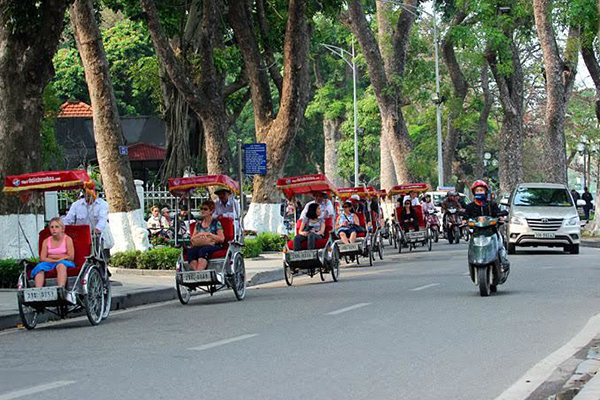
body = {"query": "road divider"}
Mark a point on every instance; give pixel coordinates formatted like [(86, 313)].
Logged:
[(343, 310), (222, 342)]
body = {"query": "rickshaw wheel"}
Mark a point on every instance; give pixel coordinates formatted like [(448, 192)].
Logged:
[(28, 315), (287, 273), (183, 292), (380, 249), (107, 290), (93, 300), (238, 280), (335, 264)]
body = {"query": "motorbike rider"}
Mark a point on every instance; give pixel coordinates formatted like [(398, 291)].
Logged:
[(483, 206), (427, 204), (452, 201)]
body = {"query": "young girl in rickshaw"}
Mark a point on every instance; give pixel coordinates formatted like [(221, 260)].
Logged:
[(408, 217), (57, 253), (311, 229), (206, 237), (345, 224)]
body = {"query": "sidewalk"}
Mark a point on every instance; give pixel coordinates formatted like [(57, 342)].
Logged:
[(131, 288)]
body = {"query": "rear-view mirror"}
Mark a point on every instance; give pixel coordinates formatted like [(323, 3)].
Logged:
[(580, 203)]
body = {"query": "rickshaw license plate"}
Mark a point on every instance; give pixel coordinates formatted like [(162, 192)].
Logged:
[(544, 235), (197, 276), (41, 294), (302, 255), (349, 247)]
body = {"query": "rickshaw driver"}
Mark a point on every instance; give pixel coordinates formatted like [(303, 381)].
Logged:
[(227, 206), (324, 203)]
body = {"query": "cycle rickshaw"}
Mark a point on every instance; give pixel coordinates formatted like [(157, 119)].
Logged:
[(412, 238), (324, 258), (88, 285), (226, 267), (368, 242)]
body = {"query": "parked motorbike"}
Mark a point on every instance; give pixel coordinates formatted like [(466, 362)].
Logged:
[(485, 258), (452, 225), (434, 225)]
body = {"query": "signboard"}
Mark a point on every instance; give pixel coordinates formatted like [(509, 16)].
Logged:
[(255, 159), (446, 188), (123, 150)]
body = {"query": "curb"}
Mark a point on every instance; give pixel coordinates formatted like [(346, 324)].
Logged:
[(138, 298), (590, 243)]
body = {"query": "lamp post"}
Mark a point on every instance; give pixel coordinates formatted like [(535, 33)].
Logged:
[(436, 98), (343, 54)]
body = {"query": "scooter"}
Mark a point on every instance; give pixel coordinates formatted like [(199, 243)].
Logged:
[(485, 260), (452, 226), (434, 225)]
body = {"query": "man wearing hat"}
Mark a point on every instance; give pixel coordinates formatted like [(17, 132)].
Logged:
[(226, 205), (324, 203)]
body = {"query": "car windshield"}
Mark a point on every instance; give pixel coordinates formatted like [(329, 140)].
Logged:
[(543, 197)]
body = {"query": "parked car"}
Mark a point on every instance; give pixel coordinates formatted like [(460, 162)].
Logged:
[(542, 214)]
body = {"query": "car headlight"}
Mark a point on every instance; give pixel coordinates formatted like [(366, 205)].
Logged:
[(573, 221), (516, 220)]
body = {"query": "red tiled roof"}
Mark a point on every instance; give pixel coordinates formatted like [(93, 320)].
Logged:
[(145, 152), (75, 109)]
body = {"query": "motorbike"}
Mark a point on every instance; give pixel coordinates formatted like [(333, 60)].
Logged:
[(434, 224), (485, 261), (452, 225)]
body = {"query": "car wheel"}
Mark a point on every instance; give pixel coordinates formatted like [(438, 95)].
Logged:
[(574, 249)]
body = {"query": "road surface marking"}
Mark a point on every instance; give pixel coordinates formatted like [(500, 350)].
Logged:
[(424, 287), (540, 372), (35, 389), (222, 342), (343, 310)]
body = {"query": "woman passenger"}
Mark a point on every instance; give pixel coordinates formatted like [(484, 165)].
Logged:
[(311, 229), (206, 237), (344, 224), (57, 254)]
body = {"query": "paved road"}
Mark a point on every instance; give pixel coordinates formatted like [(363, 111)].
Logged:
[(413, 327)]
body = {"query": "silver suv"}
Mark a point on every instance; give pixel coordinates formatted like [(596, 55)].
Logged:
[(542, 214)]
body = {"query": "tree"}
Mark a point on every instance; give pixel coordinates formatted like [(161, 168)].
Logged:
[(560, 71), (275, 128), (126, 217), (386, 62), (29, 35)]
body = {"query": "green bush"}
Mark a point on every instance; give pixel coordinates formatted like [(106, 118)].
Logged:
[(252, 248), (125, 259), (9, 273), (157, 258), (270, 241)]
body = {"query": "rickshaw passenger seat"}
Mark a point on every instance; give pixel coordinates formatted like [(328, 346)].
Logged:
[(82, 243), (420, 217), (319, 244)]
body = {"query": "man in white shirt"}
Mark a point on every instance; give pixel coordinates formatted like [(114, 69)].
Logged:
[(414, 199), (226, 205), (324, 203), (78, 213)]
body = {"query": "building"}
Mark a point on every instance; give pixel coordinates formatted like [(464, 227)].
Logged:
[(144, 137)]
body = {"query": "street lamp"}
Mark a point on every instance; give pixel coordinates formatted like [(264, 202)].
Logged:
[(437, 99), (343, 54)]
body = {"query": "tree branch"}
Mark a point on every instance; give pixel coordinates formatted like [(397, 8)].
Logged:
[(270, 58)]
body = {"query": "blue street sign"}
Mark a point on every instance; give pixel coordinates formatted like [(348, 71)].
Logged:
[(255, 159), (123, 150)]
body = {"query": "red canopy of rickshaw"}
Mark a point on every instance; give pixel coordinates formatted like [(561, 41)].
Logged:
[(381, 192), (46, 181), (178, 186), (362, 192), (305, 184), (410, 187)]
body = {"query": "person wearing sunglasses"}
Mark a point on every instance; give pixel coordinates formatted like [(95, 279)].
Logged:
[(345, 224), (311, 229), (207, 237), (409, 216)]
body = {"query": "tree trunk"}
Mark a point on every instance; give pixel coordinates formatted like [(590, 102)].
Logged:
[(25, 69), (279, 132), (207, 99), (460, 87), (333, 136), (387, 173), (510, 139), (385, 63), (117, 178), (560, 77), (482, 124)]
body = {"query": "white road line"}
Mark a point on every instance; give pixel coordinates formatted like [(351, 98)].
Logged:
[(343, 310), (540, 372), (222, 342), (35, 389), (424, 287)]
